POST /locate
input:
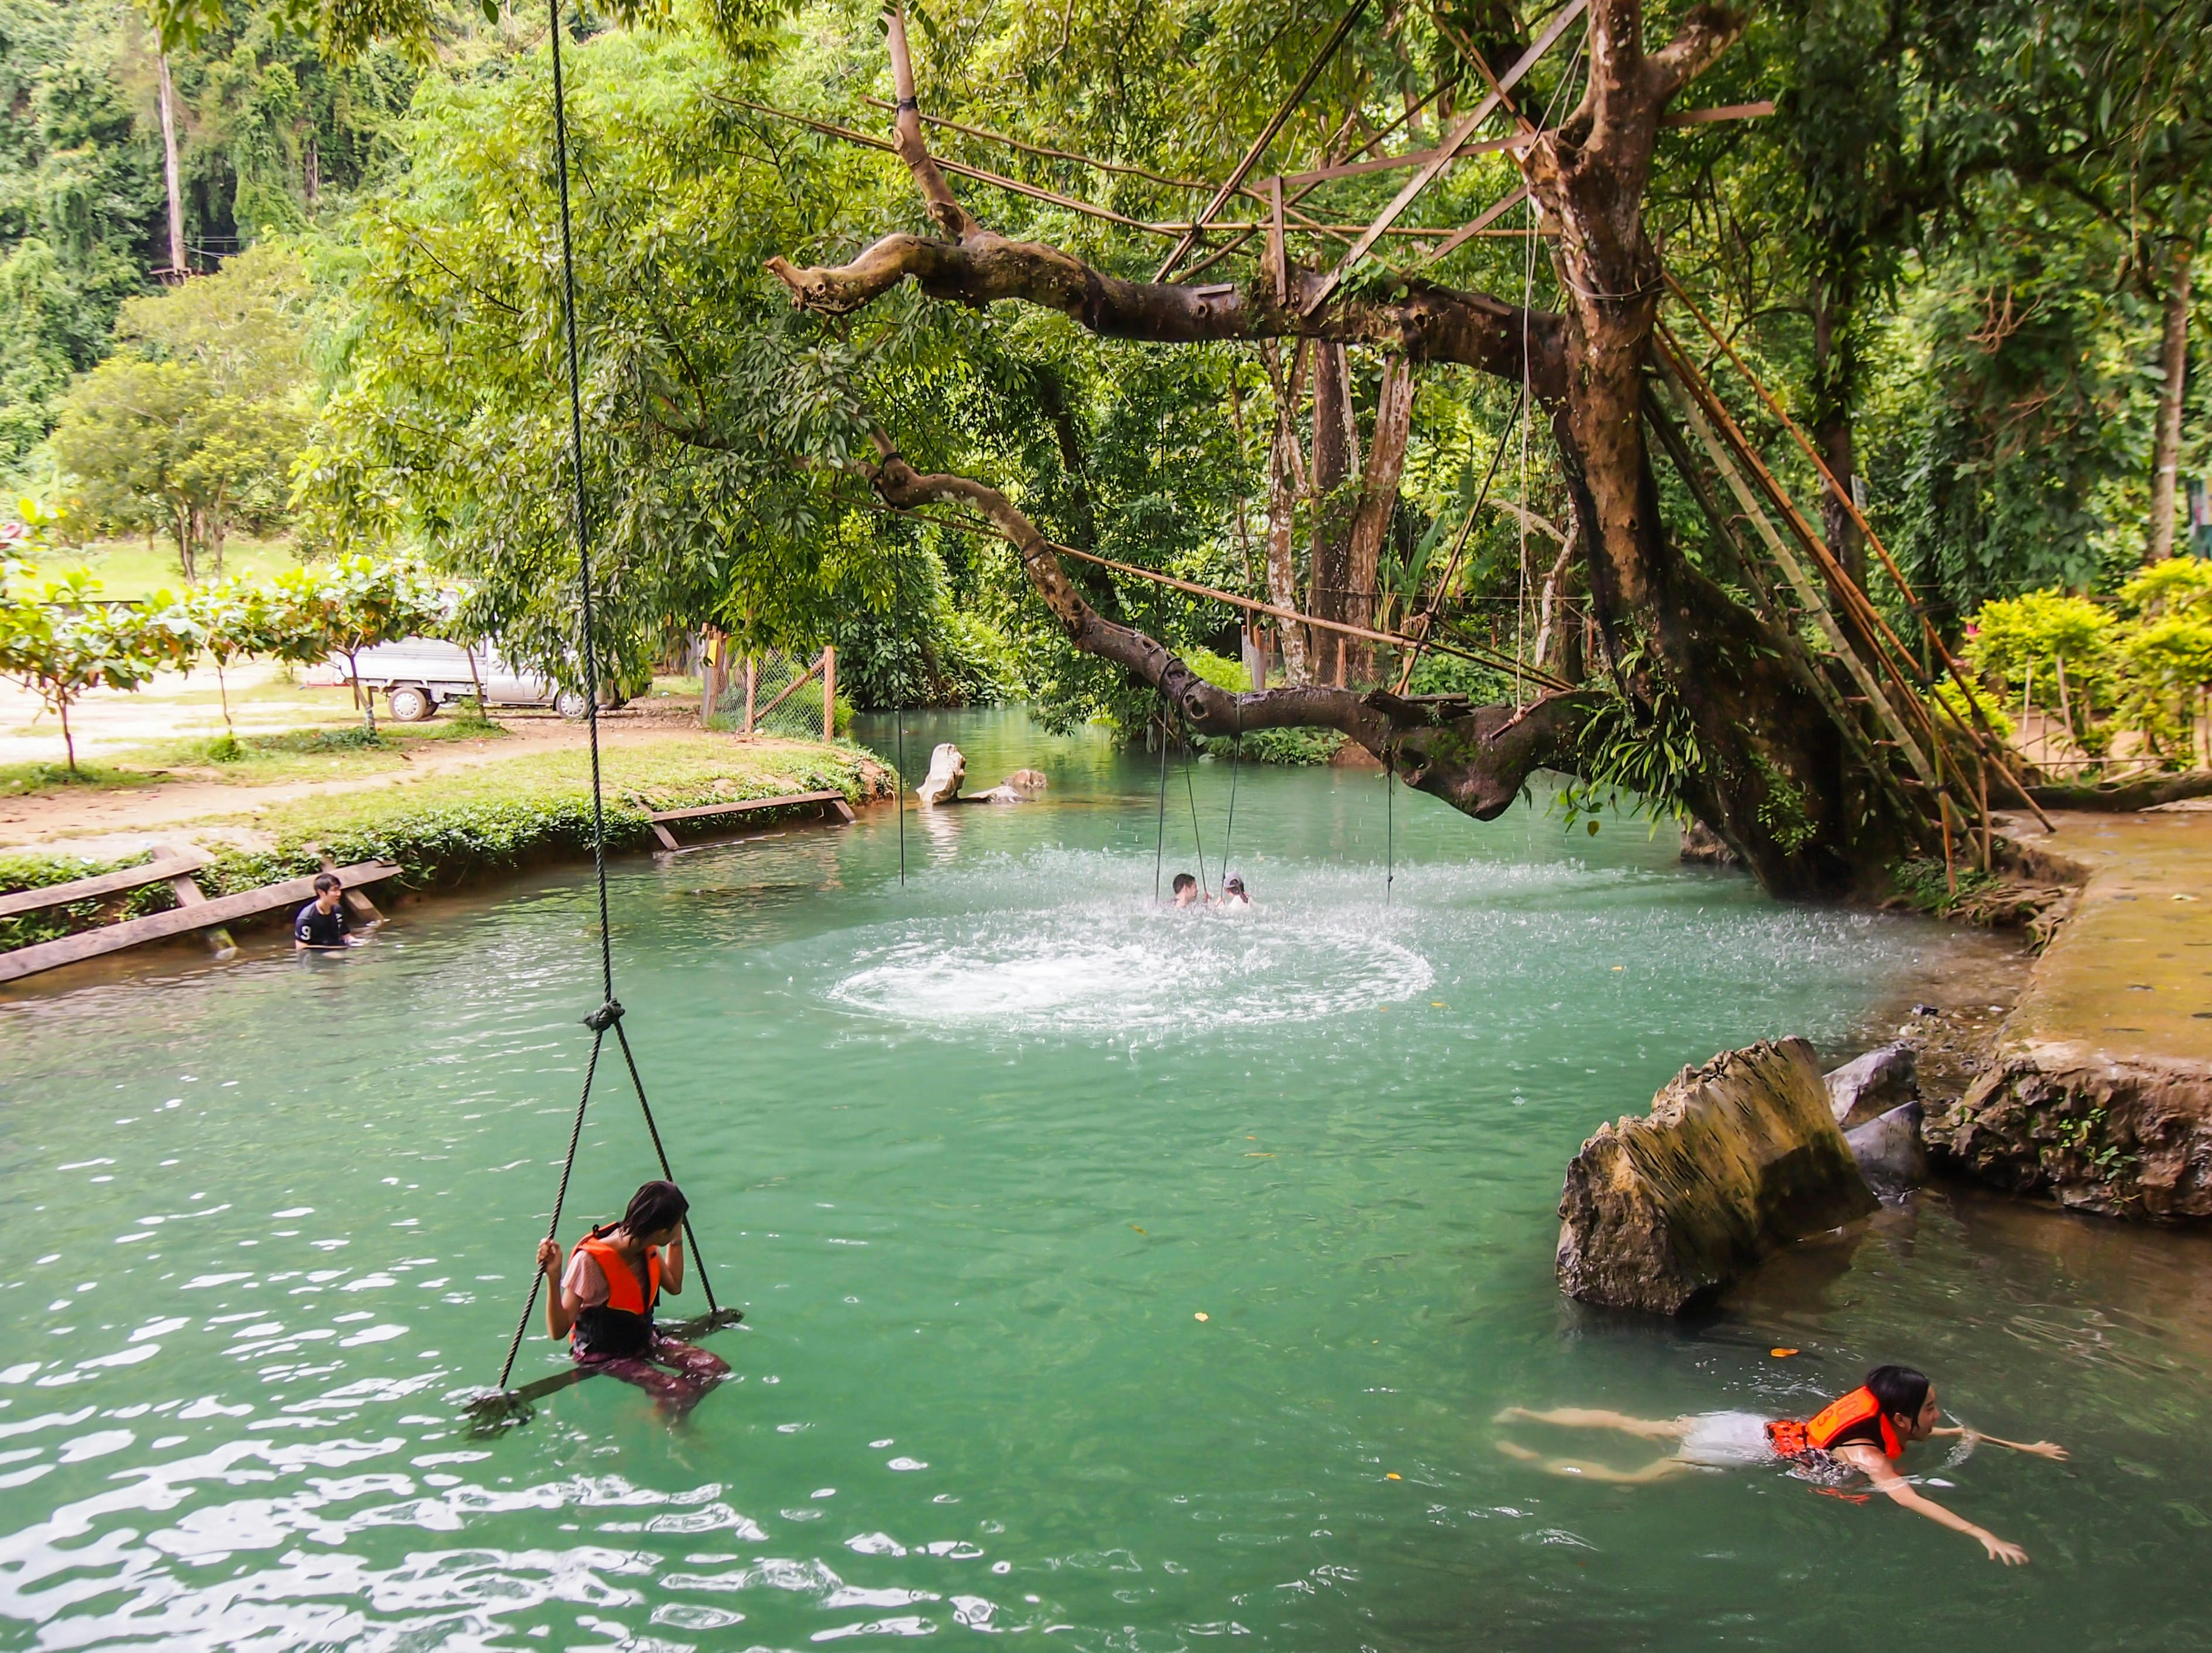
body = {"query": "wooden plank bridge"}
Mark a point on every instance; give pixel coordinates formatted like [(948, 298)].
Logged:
[(195, 910), (829, 803)]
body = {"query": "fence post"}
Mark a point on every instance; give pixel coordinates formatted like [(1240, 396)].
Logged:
[(709, 657), (753, 683), (828, 691)]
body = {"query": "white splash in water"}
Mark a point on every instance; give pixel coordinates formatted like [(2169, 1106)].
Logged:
[(1100, 968)]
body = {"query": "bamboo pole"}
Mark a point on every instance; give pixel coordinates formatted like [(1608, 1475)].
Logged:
[(1982, 738)]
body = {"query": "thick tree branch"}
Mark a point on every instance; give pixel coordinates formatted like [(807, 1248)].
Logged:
[(1478, 760), (1425, 323)]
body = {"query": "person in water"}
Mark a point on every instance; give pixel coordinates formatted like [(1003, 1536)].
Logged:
[(1185, 890), (320, 925), (1863, 1433), (603, 1301), (1232, 894)]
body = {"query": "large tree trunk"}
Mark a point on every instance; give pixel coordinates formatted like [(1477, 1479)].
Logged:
[(1285, 482), (1835, 374), (1763, 761), (1333, 463), (170, 171), (2174, 361), (1378, 503)]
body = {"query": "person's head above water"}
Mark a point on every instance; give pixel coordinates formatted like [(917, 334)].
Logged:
[(1234, 890), (1907, 1397), (1186, 888), (656, 1213)]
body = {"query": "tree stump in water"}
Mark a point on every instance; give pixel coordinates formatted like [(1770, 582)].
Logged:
[(948, 769), (1736, 1160)]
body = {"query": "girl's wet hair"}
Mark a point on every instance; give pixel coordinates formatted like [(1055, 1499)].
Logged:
[(1901, 1390), (654, 1206)]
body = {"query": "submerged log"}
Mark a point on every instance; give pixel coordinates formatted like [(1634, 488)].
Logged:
[(1736, 1160)]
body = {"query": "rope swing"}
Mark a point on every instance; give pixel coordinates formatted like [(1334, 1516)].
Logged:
[(502, 1405), (1235, 763)]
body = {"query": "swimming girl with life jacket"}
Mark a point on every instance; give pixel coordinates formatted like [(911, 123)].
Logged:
[(1863, 1433), (602, 1300)]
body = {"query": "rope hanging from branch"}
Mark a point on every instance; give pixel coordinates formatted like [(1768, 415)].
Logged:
[(609, 1015)]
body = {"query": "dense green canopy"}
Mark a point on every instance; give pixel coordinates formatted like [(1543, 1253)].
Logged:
[(1960, 249)]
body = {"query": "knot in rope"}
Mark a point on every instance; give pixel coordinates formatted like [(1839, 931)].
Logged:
[(605, 1017)]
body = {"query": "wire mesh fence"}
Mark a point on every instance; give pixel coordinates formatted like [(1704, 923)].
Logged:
[(774, 693)]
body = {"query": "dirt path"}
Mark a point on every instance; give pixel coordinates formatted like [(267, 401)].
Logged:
[(108, 821)]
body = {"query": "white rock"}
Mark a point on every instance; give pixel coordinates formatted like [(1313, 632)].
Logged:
[(947, 769)]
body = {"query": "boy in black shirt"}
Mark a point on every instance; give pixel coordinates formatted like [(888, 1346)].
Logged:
[(321, 924)]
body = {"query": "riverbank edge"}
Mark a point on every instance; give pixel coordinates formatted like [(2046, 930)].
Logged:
[(443, 843), (2070, 1105)]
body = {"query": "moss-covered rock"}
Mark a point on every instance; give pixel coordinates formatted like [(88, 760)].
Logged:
[(1736, 1159)]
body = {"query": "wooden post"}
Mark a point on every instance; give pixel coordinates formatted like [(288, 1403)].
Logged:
[(355, 901), (710, 659), (828, 691), (752, 685), (189, 894)]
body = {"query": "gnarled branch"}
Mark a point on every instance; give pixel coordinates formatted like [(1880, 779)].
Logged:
[(1478, 760)]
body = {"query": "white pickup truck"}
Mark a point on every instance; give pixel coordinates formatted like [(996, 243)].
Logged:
[(420, 674)]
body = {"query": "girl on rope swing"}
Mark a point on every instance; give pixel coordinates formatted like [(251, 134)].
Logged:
[(603, 1301)]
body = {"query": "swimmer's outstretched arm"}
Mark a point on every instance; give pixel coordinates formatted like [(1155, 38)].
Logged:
[(1888, 1482), (2041, 1449)]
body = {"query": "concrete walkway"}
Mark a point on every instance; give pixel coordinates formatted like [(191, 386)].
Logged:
[(2128, 977), (2098, 1090)]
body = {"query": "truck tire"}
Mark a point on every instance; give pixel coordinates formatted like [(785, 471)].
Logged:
[(569, 704), (410, 705)]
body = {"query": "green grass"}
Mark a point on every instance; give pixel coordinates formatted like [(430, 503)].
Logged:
[(445, 828), (37, 778), (253, 760), (125, 567)]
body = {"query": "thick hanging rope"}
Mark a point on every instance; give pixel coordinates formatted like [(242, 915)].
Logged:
[(1235, 763), (1198, 847), (560, 1198), (610, 1012), (1527, 293), (1389, 829), (901, 713), (1160, 838)]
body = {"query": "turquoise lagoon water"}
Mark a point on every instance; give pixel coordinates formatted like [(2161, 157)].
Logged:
[(1136, 1280)]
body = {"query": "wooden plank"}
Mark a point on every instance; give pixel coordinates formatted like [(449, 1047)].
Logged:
[(501, 1410), (189, 894), (168, 865), (1482, 221), (746, 805), (1725, 112), (1445, 153), (180, 920), (1266, 136), (1275, 253), (667, 838), (1386, 163)]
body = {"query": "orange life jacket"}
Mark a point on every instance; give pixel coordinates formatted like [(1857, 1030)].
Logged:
[(623, 1325), (1790, 1438)]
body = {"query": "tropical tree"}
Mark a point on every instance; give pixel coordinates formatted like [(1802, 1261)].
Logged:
[(230, 622), (61, 641), (195, 425), (354, 602)]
